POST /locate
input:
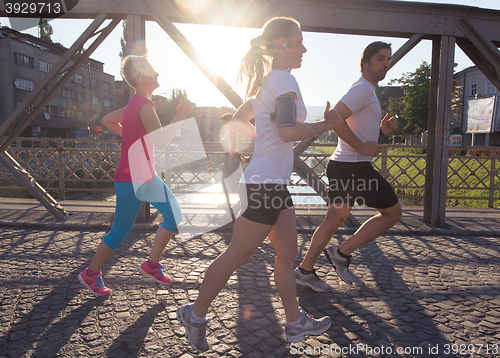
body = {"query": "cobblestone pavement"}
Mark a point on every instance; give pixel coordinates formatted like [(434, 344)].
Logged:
[(414, 296)]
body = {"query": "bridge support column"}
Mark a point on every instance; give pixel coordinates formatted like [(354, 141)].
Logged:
[(441, 90), (136, 43)]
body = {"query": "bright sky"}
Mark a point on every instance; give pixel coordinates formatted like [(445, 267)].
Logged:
[(329, 67)]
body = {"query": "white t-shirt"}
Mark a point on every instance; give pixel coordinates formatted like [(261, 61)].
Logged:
[(364, 122), (272, 160), (227, 141)]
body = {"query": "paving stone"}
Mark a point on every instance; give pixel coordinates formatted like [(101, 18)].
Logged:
[(410, 291)]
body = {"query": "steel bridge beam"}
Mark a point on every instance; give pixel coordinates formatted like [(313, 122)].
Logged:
[(357, 17), (75, 54), (439, 130), (481, 50)]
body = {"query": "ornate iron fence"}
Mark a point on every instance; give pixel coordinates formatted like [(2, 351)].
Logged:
[(65, 167)]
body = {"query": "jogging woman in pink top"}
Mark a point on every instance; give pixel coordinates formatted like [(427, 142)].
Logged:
[(135, 177)]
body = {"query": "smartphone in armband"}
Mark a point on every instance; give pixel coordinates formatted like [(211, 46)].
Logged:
[(286, 111)]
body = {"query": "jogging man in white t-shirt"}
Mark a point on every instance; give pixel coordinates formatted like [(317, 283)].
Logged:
[(351, 175)]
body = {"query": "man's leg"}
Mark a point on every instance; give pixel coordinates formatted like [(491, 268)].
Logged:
[(340, 256), (335, 217), (372, 228)]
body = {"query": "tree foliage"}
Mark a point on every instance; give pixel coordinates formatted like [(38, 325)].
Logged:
[(123, 41), (45, 29), (412, 109), (166, 106)]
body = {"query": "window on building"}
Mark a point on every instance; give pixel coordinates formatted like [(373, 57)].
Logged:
[(23, 84), (80, 97), (94, 65), (67, 93), (95, 101), (489, 88), (67, 112), (107, 86), (23, 60), (94, 82), (52, 110), (473, 89), (78, 78), (79, 115), (44, 66), (456, 140), (106, 103)]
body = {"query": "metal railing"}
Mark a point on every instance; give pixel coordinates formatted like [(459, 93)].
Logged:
[(65, 167)]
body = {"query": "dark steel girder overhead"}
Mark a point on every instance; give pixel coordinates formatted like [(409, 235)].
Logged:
[(357, 17), (481, 50)]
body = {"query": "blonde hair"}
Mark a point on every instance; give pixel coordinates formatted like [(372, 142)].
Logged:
[(131, 69), (256, 65)]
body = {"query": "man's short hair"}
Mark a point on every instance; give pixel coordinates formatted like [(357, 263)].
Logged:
[(226, 117), (373, 49)]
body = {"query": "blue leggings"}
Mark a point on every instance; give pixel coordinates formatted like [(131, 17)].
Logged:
[(128, 202)]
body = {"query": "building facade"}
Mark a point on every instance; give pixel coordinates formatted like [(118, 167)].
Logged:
[(75, 111), (471, 84)]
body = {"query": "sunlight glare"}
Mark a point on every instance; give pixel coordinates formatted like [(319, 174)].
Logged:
[(194, 6)]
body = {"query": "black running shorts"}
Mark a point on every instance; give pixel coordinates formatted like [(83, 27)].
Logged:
[(265, 202), (358, 182)]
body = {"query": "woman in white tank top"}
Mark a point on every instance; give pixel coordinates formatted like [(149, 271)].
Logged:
[(267, 66)]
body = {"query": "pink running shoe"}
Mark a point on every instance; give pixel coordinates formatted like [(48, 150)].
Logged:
[(94, 283), (156, 273)]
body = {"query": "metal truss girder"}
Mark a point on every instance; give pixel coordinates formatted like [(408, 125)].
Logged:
[(26, 180), (481, 51), (431, 125), (407, 47), (360, 17), (484, 66), (158, 9), (481, 42), (40, 89), (442, 131), (32, 186), (136, 35), (308, 175)]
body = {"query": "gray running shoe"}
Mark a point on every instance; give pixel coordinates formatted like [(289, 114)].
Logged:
[(339, 263), (307, 325), (311, 280), (195, 331)]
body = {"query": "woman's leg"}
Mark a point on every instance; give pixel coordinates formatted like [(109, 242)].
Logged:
[(283, 236), (126, 209), (160, 196), (247, 237)]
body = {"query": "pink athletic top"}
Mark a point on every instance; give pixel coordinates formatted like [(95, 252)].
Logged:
[(137, 148)]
